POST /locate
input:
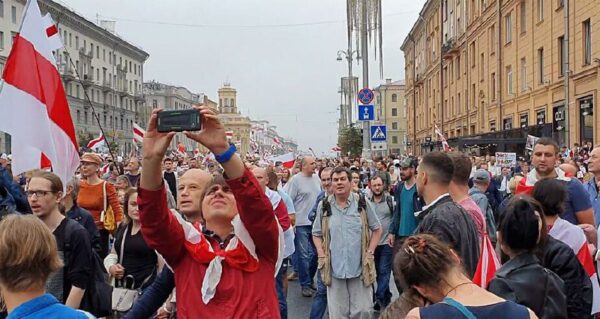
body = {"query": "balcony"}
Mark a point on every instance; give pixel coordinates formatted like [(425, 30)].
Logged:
[(106, 86), (82, 52), (123, 91), (449, 48), (87, 80), (67, 72), (139, 96)]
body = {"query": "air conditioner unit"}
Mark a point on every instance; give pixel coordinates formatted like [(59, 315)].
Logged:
[(559, 116)]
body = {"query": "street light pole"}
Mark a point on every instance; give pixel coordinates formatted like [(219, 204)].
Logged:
[(349, 90), (365, 69)]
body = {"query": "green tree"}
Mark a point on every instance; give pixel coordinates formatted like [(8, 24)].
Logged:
[(350, 140)]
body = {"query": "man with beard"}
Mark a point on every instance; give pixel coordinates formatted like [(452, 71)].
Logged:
[(578, 208), (384, 208), (407, 203)]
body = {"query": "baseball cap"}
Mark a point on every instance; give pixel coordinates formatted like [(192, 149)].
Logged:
[(408, 163), (4, 156), (481, 175)]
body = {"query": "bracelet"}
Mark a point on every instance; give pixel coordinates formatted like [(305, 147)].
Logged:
[(222, 158)]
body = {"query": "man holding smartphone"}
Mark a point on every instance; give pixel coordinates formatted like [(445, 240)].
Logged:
[(246, 255)]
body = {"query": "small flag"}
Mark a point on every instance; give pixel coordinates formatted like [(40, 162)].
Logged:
[(97, 143), (229, 134), (138, 133)]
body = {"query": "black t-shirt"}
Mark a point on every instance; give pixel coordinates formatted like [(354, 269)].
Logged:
[(139, 260), (172, 182), (77, 260)]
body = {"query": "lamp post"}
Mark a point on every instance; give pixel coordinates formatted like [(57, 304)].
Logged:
[(349, 89)]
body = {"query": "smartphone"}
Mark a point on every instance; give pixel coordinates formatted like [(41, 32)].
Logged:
[(178, 121)]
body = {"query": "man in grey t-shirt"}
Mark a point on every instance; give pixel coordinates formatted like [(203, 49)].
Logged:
[(303, 189)]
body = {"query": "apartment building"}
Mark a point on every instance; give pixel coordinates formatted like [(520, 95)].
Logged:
[(489, 73)]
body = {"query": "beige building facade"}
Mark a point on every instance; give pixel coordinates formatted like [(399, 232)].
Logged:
[(232, 119), (492, 72), (390, 109), (102, 73)]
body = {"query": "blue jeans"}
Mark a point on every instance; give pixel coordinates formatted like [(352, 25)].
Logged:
[(319, 304), (306, 255), (383, 267), (279, 288)]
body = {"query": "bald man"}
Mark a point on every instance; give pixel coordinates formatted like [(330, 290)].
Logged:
[(304, 188)]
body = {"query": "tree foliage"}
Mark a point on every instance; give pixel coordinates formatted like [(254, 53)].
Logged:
[(350, 140)]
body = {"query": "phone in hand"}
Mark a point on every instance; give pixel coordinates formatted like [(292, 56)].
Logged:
[(178, 121)]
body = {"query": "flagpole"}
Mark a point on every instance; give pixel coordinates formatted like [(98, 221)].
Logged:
[(95, 114)]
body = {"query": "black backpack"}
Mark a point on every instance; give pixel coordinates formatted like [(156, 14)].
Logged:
[(97, 298), (326, 206)]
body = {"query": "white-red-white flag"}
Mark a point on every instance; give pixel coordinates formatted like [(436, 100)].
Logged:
[(138, 133), (276, 141), (336, 148), (287, 160), (575, 238), (445, 144), (229, 134), (488, 264), (97, 142), (33, 94)]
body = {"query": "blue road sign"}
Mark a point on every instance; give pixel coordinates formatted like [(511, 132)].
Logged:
[(366, 113), (378, 133), (365, 96)]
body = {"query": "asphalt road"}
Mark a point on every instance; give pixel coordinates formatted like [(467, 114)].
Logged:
[(299, 306)]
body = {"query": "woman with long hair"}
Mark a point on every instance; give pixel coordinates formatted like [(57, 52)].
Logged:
[(131, 262), (95, 195), (434, 270)]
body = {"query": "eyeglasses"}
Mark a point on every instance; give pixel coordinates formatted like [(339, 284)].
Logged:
[(38, 193)]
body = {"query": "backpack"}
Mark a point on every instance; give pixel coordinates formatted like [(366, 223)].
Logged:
[(97, 298)]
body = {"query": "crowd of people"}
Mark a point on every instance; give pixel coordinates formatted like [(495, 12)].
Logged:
[(168, 235)]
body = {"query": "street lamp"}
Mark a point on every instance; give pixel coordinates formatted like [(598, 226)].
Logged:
[(349, 56)]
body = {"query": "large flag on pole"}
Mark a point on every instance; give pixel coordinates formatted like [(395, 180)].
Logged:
[(32, 93)]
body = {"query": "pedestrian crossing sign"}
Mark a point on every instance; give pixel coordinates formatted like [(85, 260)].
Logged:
[(378, 133)]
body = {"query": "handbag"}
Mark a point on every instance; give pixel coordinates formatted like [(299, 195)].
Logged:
[(107, 217), (123, 297)]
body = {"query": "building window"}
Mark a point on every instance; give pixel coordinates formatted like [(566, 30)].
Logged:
[(508, 27), (482, 66), (154, 104), (78, 116), (457, 65), (77, 42), (541, 65), (1, 40), (560, 3), (492, 126), (587, 42), (394, 98), (85, 117), (13, 14), (493, 38), (12, 37), (394, 111), (394, 125), (473, 58), (561, 55), (524, 120), (493, 86), (509, 80), (540, 12), (394, 139), (1, 8), (541, 117), (507, 123), (104, 120), (523, 74), (523, 12)]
